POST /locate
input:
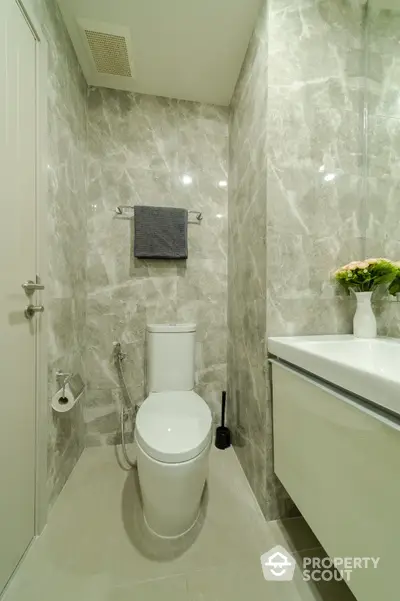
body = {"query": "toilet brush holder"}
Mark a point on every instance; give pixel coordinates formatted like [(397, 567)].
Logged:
[(223, 434)]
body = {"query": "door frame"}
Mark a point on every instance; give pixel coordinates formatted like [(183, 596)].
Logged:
[(41, 387)]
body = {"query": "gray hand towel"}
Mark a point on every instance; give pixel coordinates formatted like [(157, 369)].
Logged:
[(160, 233)]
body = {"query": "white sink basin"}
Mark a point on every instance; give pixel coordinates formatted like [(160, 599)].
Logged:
[(367, 368)]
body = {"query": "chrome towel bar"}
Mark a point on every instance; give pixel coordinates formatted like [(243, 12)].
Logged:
[(123, 210)]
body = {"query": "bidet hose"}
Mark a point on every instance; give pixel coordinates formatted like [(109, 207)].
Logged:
[(123, 445), (122, 414)]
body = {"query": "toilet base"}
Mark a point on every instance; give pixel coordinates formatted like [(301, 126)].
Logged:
[(154, 533), (171, 492)]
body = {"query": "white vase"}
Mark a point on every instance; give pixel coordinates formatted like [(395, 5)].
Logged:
[(364, 324)]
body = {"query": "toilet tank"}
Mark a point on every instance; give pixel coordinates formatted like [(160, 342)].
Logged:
[(170, 356)]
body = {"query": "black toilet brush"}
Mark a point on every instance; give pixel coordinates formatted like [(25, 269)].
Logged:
[(222, 434)]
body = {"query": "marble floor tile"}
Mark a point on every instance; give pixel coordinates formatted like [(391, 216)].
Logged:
[(165, 589), (294, 534), (96, 546), (247, 582)]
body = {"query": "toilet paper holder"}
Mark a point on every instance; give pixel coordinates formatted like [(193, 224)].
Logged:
[(62, 379), (70, 390)]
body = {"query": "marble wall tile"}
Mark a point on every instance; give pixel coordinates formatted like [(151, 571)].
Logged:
[(323, 28), (67, 236), (248, 409), (296, 181), (102, 417), (302, 201), (140, 147), (383, 145), (382, 208), (314, 158), (383, 62)]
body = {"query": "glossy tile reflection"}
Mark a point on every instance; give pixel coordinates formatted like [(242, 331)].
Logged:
[(294, 205), (383, 142), (77, 559), (155, 151)]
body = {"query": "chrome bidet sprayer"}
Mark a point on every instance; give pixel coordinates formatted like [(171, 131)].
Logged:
[(119, 357)]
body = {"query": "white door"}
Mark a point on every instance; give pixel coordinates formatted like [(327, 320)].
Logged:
[(17, 264)]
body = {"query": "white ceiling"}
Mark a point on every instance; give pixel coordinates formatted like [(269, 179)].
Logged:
[(187, 49)]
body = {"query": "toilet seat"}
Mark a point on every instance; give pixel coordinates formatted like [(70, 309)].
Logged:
[(173, 426)]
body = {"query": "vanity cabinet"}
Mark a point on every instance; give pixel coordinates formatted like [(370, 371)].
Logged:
[(339, 459)]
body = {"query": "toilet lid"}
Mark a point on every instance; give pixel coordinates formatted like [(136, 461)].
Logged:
[(173, 426)]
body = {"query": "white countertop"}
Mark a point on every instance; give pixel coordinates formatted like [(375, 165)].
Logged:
[(369, 368)]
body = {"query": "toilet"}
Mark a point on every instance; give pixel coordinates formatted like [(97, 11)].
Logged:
[(173, 433)]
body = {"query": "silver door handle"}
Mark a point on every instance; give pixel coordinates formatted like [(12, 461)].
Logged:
[(30, 287), (32, 309)]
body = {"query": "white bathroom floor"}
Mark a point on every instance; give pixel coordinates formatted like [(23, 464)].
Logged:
[(96, 548)]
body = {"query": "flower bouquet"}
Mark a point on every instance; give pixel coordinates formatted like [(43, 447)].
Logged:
[(363, 277), (394, 287)]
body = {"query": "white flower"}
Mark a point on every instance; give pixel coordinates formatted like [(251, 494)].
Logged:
[(374, 261)]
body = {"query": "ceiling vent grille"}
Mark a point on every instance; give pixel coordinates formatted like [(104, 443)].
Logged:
[(109, 47), (109, 52)]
